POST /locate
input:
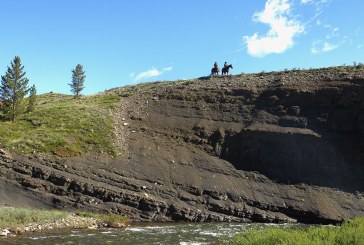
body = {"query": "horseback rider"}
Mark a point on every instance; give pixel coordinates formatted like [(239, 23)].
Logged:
[(216, 66), (226, 68)]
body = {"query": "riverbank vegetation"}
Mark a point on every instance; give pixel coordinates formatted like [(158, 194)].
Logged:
[(20, 217), (62, 125), (19, 220), (350, 232), (111, 220)]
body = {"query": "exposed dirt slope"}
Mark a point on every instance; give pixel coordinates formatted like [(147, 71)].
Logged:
[(269, 147)]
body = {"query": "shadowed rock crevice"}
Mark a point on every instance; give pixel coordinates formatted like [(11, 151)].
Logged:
[(291, 157)]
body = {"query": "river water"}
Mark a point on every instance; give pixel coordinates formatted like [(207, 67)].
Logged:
[(165, 233)]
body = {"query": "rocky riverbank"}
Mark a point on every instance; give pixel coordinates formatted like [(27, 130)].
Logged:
[(270, 147), (17, 221), (71, 221)]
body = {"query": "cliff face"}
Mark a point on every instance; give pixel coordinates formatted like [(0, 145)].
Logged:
[(299, 135), (269, 147)]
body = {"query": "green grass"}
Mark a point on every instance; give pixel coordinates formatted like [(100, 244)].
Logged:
[(20, 217), (350, 232), (63, 126)]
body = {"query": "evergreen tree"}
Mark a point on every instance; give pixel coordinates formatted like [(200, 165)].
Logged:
[(32, 98), (13, 89), (78, 79)]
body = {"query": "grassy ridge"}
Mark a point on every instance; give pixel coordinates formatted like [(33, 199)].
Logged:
[(350, 232), (63, 125)]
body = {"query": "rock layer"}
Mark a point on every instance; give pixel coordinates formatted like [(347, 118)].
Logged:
[(269, 147)]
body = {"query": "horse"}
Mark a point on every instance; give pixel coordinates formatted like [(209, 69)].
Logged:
[(225, 70), (215, 71)]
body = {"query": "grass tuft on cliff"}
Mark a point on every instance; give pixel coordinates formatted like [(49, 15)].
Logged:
[(63, 126), (350, 232)]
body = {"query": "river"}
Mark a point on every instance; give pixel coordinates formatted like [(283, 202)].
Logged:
[(160, 233)]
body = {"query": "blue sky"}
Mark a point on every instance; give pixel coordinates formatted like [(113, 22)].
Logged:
[(127, 42)]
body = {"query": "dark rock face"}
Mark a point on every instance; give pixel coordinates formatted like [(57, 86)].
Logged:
[(328, 152), (295, 157), (273, 147)]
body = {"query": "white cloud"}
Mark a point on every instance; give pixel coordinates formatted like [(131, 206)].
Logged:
[(152, 73), (319, 7), (283, 28), (331, 41), (329, 47), (317, 2), (334, 33), (148, 74), (322, 47), (168, 68)]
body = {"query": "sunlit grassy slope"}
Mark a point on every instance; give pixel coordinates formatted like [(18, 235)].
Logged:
[(63, 126)]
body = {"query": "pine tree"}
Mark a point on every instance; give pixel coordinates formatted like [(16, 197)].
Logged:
[(32, 98), (13, 89), (78, 79)]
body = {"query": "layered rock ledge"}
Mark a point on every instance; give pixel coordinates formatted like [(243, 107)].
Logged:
[(269, 147)]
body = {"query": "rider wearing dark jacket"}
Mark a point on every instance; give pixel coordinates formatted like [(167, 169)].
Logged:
[(216, 66)]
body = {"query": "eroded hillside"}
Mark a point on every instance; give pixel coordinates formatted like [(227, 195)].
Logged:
[(268, 147)]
